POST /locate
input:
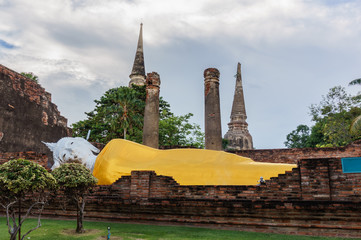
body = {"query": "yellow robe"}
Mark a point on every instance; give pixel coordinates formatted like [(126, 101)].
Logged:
[(187, 166)]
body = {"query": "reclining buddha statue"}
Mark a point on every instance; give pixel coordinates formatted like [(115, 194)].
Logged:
[(187, 166)]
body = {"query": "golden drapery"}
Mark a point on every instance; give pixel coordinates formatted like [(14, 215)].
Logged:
[(187, 166)]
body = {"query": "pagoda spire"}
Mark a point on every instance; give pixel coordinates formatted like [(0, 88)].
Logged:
[(137, 76), (238, 136)]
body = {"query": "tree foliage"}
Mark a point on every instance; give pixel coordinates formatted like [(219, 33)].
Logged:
[(336, 101), (31, 76), (355, 82), (356, 123), (23, 181), (333, 118), (76, 181), (337, 128), (177, 131), (298, 138), (120, 114)]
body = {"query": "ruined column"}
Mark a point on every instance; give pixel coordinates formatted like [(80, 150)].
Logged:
[(151, 111), (213, 131)]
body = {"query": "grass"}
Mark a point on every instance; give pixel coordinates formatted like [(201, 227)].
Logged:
[(64, 230)]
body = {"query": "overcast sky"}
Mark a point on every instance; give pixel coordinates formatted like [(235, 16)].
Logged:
[(292, 52)]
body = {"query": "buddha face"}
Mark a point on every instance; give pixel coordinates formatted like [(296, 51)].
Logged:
[(70, 149)]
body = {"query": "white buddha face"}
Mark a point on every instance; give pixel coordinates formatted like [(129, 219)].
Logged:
[(73, 149)]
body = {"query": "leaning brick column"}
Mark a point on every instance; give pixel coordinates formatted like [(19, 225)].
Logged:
[(213, 131), (151, 111)]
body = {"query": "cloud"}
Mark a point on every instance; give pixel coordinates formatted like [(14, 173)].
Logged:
[(291, 52)]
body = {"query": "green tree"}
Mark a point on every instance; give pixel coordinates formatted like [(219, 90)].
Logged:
[(336, 101), (23, 183), (76, 181), (120, 112), (123, 109), (356, 123), (225, 143), (30, 75), (316, 138), (355, 82), (337, 128), (177, 131), (298, 138), (333, 118)]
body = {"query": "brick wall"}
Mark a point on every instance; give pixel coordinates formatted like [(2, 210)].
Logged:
[(27, 115), (39, 158), (314, 199), (292, 155)]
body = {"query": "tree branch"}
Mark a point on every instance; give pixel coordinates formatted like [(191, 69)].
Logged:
[(39, 222), (30, 208), (11, 214)]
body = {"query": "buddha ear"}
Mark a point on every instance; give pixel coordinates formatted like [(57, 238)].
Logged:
[(91, 147), (51, 146), (94, 149)]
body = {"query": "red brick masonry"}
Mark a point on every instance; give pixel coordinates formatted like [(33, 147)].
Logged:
[(292, 155), (316, 198), (27, 115), (41, 159)]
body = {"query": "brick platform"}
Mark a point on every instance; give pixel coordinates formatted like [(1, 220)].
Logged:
[(316, 198), (293, 155)]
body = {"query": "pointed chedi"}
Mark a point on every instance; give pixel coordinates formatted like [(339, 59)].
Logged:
[(137, 76), (238, 136)]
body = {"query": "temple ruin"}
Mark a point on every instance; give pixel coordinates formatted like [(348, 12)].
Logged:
[(238, 135), (212, 113), (316, 198), (27, 115), (137, 76), (151, 111)]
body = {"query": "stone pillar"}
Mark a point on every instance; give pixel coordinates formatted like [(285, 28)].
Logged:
[(213, 130), (151, 111)]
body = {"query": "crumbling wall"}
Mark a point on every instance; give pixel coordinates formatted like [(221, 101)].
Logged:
[(27, 115), (39, 158), (316, 198), (293, 155)]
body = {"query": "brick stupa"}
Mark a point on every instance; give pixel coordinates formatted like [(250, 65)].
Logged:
[(238, 136)]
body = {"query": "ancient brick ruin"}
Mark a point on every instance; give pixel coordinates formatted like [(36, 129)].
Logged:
[(293, 155), (316, 198), (238, 135), (212, 110), (151, 111), (137, 75), (27, 115)]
